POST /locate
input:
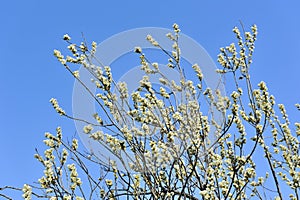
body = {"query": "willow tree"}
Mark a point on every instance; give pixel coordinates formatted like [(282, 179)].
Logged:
[(161, 135)]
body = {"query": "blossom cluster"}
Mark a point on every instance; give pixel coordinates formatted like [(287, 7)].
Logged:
[(180, 150)]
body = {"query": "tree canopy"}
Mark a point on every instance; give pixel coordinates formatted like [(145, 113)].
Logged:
[(166, 137)]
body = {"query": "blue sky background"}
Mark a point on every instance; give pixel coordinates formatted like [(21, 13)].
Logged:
[(30, 75)]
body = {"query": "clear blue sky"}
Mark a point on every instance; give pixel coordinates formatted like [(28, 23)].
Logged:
[(30, 75)]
